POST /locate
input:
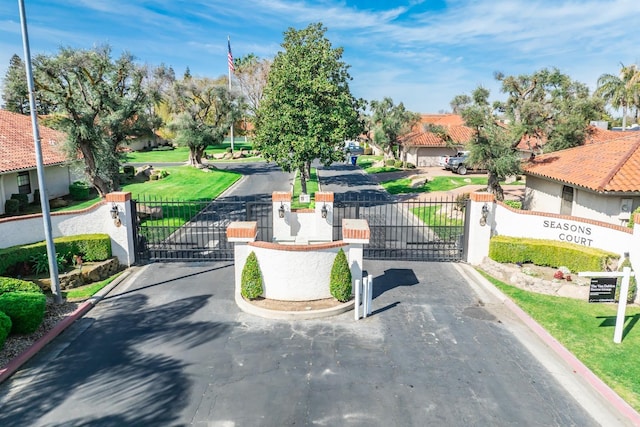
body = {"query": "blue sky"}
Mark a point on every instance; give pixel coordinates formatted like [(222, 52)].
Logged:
[(419, 52)]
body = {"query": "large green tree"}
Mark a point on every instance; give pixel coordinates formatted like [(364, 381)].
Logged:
[(389, 122), (307, 111), (621, 91), (15, 93), (202, 111), (549, 107), (492, 147), (99, 103)]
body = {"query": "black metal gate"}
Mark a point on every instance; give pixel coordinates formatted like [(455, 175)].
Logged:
[(423, 230), (173, 230), (176, 230)]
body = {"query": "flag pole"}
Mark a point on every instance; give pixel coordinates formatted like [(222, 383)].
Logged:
[(230, 63), (44, 202)]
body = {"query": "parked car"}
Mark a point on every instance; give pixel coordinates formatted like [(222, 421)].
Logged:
[(457, 163)]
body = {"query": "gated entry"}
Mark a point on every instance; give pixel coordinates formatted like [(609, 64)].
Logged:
[(170, 230), (173, 230), (425, 230)]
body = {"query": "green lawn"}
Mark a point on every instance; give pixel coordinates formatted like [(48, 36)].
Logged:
[(312, 187), (440, 221), (438, 183), (586, 330), (85, 292), (180, 154), (366, 163)]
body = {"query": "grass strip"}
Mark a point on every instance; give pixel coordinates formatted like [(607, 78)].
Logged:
[(586, 330)]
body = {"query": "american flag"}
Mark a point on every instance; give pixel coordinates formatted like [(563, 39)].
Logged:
[(230, 56)]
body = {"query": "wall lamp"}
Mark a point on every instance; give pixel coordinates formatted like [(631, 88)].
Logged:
[(484, 214), (281, 210), (324, 211), (115, 215)]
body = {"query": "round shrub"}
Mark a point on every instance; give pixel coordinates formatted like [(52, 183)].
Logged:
[(411, 166), (11, 207), (26, 310), (390, 162), (5, 328), (340, 281), (9, 284), (251, 282), (79, 190), (397, 164)]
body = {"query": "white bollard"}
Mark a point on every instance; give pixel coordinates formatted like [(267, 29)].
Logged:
[(356, 306), (369, 293), (365, 296)]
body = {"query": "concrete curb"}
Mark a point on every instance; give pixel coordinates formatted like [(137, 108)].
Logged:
[(21, 359), (576, 365), (249, 308)]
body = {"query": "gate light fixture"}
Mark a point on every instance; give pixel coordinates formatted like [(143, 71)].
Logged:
[(324, 211), (484, 214), (281, 210)]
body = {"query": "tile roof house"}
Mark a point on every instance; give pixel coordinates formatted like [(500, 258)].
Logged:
[(18, 161), (425, 148), (599, 180)]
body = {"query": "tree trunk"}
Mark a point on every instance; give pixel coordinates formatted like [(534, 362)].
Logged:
[(307, 170), (195, 156), (494, 187), (102, 186), (303, 180)]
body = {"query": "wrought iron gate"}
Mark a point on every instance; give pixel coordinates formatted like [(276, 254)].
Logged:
[(175, 230), (424, 230)]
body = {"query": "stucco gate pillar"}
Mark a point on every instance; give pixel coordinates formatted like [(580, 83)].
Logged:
[(481, 217)]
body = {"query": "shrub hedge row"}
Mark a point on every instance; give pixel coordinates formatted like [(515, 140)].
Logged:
[(93, 247), (9, 284), (550, 253)]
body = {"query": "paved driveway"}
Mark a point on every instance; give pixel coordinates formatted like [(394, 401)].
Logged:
[(170, 347)]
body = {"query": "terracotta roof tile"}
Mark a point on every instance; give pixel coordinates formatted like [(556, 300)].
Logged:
[(460, 135), (442, 119), (608, 166), (17, 150)]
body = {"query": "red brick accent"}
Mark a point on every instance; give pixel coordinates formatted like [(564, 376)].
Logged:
[(305, 210), (298, 248), (324, 196), (118, 196), (482, 197), (355, 229), (281, 196), (242, 230), (636, 218)]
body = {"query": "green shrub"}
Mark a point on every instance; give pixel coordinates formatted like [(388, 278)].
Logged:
[(630, 222), (368, 151), (11, 207), (26, 310), (79, 190), (389, 162), (397, 164), (5, 328), (633, 286), (550, 253), (516, 204), (23, 200), (129, 171), (9, 284), (40, 262), (153, 177), (93, 247), (251, 282), (410, 166), (340, 280)]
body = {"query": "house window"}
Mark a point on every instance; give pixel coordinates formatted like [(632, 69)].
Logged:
[(24, 183), (567, 200)]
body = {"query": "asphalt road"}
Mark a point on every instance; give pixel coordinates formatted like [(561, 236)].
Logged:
[(170, 347)]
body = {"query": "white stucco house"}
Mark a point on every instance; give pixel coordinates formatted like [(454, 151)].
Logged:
[(423, 147), (599, 180), (18, 173)]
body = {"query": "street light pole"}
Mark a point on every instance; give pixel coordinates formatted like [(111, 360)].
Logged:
[(44, 200)]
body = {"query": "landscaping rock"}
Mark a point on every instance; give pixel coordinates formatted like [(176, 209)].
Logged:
[(145, 212), (89, 273)]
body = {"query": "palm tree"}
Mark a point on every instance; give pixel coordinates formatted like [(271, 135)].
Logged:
[(621, 91)]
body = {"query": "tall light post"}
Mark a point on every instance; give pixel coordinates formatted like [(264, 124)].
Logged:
[(44, 199)]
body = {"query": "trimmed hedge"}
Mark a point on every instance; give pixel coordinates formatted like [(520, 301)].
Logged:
[(11, 207), (9, 284), (340, 280), (26, 310), (550, 253), (93, 247), (79, 190), (23, 200), (5, 328), (251, 282)]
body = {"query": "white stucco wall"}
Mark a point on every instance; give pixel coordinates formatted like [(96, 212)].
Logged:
[(542, 195), (303, 225)]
